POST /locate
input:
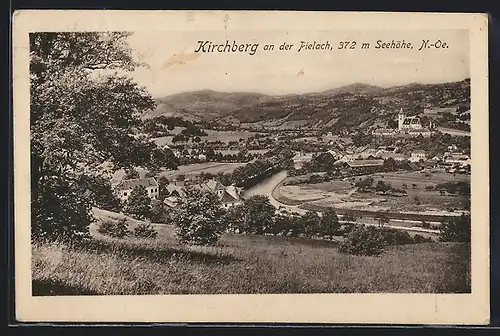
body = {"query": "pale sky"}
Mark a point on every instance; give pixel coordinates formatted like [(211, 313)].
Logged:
[(174, 67)]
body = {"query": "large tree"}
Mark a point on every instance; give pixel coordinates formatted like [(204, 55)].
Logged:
[(139, 204), (84, 111), (199, 218), (259, 215), (329, 223)]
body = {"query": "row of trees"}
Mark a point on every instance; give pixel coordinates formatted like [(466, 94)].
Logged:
[(261, 168), (366, 185), (456, 187), (200, 219)]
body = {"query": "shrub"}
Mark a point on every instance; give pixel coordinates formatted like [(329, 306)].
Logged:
[(116, 229), (456, 230), (329, 224), (145, 230), (420, 239), (363, 240), (417, 200), (396, 237), (159, 213), (345, 229), (425, 225)]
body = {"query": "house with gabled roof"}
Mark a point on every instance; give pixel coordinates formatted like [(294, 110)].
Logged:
[(228, 196), (175, 190), (125, 187)]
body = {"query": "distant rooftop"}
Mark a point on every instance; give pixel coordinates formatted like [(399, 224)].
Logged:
[(365, 163), (132, 183)]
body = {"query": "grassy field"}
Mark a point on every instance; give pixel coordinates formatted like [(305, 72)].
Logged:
[(197, 168), (223, 136), (236, 151), (422, 179), (418, 199), (188, 170), (290, 194), (243, 264), (337, 186)]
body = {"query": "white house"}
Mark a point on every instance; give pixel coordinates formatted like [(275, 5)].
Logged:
[(418, 155), (125, 187), (346, 158)]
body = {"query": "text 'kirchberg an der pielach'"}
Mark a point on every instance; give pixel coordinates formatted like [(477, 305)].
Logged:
[(232, 46)]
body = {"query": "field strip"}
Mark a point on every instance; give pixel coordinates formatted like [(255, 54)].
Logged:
[(416, 229)]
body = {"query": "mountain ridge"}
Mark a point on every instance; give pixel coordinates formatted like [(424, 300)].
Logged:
[(329, 108)]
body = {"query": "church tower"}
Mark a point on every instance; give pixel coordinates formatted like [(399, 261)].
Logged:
[(401, 118)]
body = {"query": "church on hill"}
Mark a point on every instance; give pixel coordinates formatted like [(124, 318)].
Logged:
[(406, 126)]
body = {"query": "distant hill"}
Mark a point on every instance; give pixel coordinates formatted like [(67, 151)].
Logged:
[(356, 105)]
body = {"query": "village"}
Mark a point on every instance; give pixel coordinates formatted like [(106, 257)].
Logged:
[(210, 160), (141, 189)]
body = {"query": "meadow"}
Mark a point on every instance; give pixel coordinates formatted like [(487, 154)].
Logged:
[(212, 135), (198, 168), (417, 199), (243, 264)]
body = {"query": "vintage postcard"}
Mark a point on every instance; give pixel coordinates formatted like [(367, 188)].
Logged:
[(251, 166)]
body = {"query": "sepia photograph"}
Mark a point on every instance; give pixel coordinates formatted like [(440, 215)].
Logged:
[(239, 161)]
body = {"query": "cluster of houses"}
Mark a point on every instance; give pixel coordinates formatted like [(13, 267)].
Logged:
[(187, 153), (365, 157), (176, 191), (381, 153), (228, 195)]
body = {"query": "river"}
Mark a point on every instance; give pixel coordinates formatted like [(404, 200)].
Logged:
[(266, 188)]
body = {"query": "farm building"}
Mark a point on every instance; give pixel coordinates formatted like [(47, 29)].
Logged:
[(125, 187), (365, 166), (365, 163), (395, 156)]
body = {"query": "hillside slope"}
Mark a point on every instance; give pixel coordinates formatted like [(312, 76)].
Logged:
[(340, 108)]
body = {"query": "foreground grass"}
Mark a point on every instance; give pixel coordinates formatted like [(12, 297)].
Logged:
[(244, 264)]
